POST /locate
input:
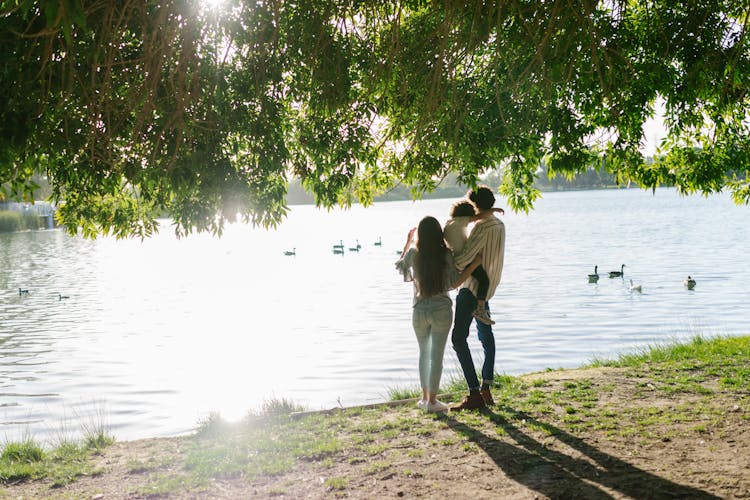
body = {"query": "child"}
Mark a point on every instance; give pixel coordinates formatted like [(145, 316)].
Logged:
[(462, 213)]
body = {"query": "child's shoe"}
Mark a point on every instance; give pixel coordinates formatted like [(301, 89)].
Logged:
[(483, 315)]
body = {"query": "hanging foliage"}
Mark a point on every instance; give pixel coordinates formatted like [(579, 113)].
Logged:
[(142, 108)]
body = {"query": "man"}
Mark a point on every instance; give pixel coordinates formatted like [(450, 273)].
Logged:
[(488, 239)]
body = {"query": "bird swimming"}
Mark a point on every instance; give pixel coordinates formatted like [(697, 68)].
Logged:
[(379, 242), (593, 278), (635, 288), (616, 274), (23, 291), (293, 251), (62, 297), (689, 283)]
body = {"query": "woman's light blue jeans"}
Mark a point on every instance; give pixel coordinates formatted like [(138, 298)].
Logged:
[(431, 327)]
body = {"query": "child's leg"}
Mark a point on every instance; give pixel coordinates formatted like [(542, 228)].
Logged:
[(483, 284)]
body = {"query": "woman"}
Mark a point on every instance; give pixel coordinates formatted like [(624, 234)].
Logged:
[(430, 266)]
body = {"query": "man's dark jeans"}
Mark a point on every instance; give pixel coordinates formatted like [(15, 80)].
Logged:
[(465, 305)]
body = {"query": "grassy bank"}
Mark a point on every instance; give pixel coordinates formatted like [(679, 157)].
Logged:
[(16, 221), (669, 421)]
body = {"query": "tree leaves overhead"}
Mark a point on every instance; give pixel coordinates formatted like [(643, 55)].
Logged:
[(170, 107)]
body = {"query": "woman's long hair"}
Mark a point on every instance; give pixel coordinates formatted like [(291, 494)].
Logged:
[(429, 266)]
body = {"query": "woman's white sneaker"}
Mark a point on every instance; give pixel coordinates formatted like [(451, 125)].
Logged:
[(437, 407)]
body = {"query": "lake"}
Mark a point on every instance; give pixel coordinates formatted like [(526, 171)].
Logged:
[(155, 335)]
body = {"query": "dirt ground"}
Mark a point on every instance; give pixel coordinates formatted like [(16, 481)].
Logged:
[(519, 457)]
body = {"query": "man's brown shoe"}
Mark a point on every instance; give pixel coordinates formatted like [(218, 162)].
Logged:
[(474, 401), (487, 397)]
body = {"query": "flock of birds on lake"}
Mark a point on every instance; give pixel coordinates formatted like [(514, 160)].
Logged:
[(689, 282), (338, 248), (25, 291)]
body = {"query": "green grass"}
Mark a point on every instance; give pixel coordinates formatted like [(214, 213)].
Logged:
[(684, 367), (337, 483), (399, 393), (376, 467), (11, 220), (28, 460), (28, 451), (279, 407), (694, 353)]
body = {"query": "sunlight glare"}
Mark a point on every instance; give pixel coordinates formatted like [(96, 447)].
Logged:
[(212, 4)]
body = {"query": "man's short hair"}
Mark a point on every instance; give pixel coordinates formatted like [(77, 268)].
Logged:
[(482, 197)]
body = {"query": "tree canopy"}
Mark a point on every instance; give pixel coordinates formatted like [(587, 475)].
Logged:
[(203, 111)]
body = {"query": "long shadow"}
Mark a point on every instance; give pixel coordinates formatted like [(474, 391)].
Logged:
[(558, 475)]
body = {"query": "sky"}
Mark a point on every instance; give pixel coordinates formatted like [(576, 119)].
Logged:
[(654, 130)]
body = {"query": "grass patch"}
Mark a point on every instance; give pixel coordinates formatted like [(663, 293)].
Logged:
[(399, 393), (163, 484), (376, 467), (11, 220), (212, 426), (279, 407), (687, 367), (697, 351), (337, 483), (26, 460), (28, 451)]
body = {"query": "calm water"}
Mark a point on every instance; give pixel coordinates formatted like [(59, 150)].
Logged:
[(155, 335)]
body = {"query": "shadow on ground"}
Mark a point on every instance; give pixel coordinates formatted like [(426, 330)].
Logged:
[(585, 473)]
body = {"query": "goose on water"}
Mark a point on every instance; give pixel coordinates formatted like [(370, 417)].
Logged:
[(22, 291), (593, 278), (356, 248), (616, 274), (337, 250), (379, 242), (635, 288), (62, 297), (340, 246), (689, 283), (293, 251)]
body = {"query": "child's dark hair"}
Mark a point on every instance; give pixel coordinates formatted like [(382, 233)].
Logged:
[(462, 209)]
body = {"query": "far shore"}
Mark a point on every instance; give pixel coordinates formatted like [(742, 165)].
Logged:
[(670, 421)]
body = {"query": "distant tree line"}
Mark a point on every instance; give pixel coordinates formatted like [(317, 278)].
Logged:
[(451, 187)]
